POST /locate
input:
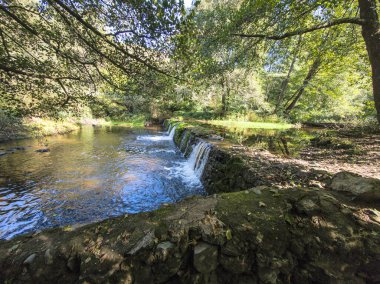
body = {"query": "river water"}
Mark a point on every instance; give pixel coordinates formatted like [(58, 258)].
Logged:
[(88, 176)]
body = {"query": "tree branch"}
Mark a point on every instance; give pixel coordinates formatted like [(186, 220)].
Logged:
[(103, 36), (356, 21), (25, 25), (35, 75)]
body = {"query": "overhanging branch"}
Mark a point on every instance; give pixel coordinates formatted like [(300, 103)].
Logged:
[(356, 21)]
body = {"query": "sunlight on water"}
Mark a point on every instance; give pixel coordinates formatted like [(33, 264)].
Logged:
[(89, 176)]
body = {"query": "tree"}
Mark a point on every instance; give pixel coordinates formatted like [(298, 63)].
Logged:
[(58, 54), (368, 20)]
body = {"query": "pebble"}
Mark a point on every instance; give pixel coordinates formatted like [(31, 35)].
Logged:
[(256, 190), (262, 204), (29, 260)]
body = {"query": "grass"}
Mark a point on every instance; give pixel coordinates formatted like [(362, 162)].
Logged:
[(127, 123), (38, 127), (130, 121), (248, 124)]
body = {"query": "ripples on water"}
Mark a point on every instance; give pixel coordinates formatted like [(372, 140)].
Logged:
[(89, 176)]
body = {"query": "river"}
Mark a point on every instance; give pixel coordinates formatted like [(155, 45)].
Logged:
[(90, 175)]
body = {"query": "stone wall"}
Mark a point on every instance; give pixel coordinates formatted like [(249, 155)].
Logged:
[(255, 236), (224, 171)]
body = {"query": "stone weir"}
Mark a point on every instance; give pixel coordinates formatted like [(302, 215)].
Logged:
[(258, 234), (219, 170)]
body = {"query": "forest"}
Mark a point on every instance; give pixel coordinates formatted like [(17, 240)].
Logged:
[(298, 61)]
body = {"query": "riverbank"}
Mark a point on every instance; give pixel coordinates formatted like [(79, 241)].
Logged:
[(22, 128), (253, 236), (353, 149), (264, 221), (233, 167), (35, 127)]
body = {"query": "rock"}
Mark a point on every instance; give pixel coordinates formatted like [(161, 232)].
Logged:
[(370, 215), (262, 204), (267, 275), (231, 249), (13, 248), (48, 257), (365, 189), (205, 257), (236, 265), (2, 153), (167, 262), (165, 245), (307, 206), (256, 190), (29, 260), (44, 150), (73, 264), (315, 183), (20, 148), (146, 241), (215, 137), (164, 249)]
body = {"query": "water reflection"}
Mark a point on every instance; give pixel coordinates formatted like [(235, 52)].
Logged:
[(288, 142), (88, 176)]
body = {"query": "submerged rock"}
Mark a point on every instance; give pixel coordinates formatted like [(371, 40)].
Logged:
[(44, 150)]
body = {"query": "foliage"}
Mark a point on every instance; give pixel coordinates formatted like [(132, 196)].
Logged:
[(321, 75), (58, 55), (246, 124), (230, 59)]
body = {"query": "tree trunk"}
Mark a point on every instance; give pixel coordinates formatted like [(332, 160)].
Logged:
[(310, 75), (225, 94), (285, 83), (371, 35)]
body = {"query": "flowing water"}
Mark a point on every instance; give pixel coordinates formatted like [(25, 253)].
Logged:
[(92, 175)]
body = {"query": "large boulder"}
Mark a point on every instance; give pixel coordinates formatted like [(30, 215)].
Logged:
[(360, 188)]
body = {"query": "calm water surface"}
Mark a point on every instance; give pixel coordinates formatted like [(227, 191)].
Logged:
[(289, 142), (88, 176)]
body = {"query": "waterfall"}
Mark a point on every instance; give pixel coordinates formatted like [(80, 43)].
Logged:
[(199, 157), (169, 128), (172, 131)]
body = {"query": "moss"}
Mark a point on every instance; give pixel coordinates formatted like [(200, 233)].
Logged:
[(166, 124), (178, 133), (187, 134)]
